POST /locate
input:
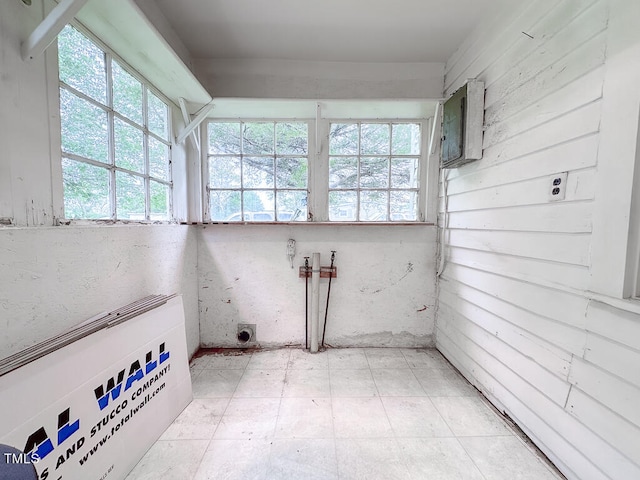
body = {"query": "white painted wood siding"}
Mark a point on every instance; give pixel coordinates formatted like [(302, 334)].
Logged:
[(514, 312)]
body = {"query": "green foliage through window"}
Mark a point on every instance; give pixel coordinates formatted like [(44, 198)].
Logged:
[(258, 171), (116, 152), (373, 171)]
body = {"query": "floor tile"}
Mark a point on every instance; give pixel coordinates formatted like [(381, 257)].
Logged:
[(248, 418), (438, 459), (358, 413), (415, 417), (228, 362), (235, 460), (303, 360), (506, 458), (199, 363), (425, 358), (360, 418), (308, 459), (216, 383), (438, 382), (305, 418), (385, 358), (269, 359), (352, 383), (347, 358), (370, 459), (260, 383), (398, 382), (470, 417), (198, 421), (170, 460), (307, 383), (194, 373)]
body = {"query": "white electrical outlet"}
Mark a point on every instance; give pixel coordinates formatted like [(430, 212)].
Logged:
[(557, 186)]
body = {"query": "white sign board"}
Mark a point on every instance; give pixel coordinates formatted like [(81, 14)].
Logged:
[(90, 410)]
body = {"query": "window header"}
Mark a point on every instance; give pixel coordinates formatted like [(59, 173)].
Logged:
[(251, 108)]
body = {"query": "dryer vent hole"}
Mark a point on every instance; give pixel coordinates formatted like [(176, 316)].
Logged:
[(246, 333)]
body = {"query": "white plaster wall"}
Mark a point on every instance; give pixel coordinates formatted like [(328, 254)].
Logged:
[(319, 80), (54, 278), (383, 295), (518, 311)]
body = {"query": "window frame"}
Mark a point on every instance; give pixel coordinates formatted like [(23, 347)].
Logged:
[(112, 114), (206, 189), (318, 169), (421, 159)]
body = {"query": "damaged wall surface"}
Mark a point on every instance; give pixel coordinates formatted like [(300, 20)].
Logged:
[(384, 294)]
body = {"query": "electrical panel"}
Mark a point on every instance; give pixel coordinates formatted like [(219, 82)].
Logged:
[(462, 122)]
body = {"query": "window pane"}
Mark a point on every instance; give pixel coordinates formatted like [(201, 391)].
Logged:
[(257, 138), (127, 94), (158, 116), (257, 172), (129, 146), (343, 206), (291, 173), (159, 195), (224, 172), (84, 127), (224, 138), (404, 172), (225, 205), (343, 139), (343, 172), (374, 139), (82, 64), (129, 197), (374, 172), (291, 138), (373, 206), (260, 205), (404, 206), (406, 139), (158, 159), (86, 190), (291, 206)]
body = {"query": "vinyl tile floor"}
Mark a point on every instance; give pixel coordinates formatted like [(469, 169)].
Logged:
[(370, 413)]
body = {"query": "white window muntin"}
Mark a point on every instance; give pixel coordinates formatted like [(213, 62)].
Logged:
[(318, 197), (245, 213), (112, 114), (360, 191)]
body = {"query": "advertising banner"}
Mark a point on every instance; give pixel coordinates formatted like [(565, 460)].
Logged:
[(90, 410)]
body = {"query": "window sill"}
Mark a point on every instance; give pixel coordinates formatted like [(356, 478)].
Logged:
[(93, 223), (332, 224)]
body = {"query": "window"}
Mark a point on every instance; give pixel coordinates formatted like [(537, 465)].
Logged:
[(373, 171), (258, 171), (116, 153), (331, 168)]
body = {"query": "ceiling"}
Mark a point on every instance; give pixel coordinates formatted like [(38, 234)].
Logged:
[(328, 30)]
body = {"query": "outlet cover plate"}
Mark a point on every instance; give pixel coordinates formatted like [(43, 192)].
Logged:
[(557, 186)]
